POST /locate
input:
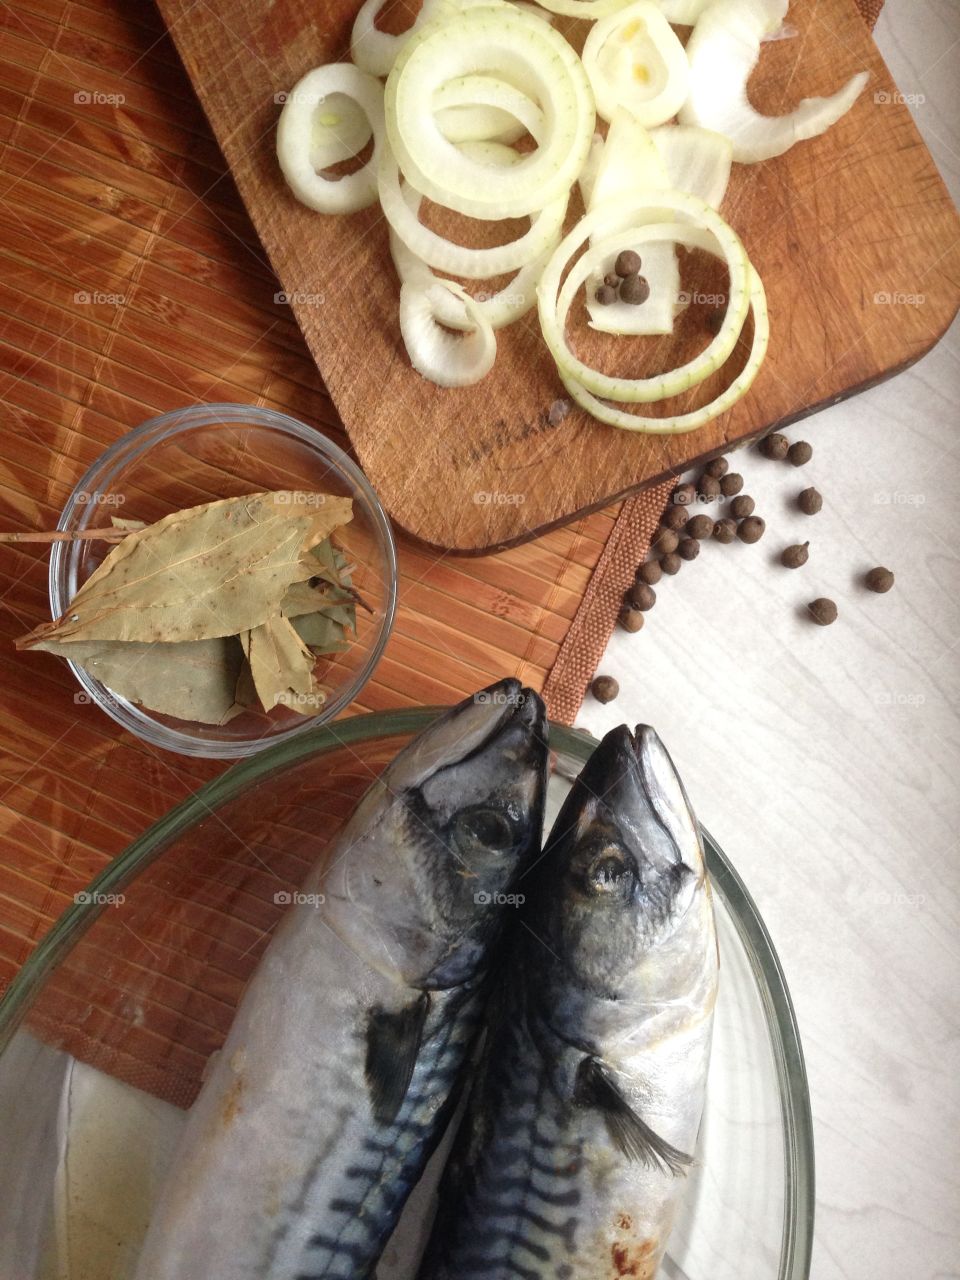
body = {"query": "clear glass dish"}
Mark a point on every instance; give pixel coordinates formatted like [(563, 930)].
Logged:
[(106, 1031), (199, 454)]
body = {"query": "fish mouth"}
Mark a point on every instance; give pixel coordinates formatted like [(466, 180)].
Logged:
[(666, 794)]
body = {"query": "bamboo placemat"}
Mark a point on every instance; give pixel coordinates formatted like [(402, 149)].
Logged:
[(132, 284)]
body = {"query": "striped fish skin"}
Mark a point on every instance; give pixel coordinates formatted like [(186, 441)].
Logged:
[(570, 1163), (308, 1134)]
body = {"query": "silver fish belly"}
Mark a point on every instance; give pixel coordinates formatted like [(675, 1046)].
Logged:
[(584, 1113), (338, 1074)]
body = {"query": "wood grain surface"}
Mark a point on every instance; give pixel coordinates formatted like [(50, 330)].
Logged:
[(132, 283), (834, 227)]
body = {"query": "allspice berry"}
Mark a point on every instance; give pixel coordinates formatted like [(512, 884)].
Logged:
[(751, 529), (725, 531), (684, 494), (665, 540), (700, 527), (688, 549), (642, 596), (774, 446), (796, 556), (742, 507), (822, 611), (631, 619), (605, 295), (635, 290), (628, 263), (604, 688), (650, 573), (731, 484), (708, 488), (717, 467), (675, 517), (800, 453), (612, 279), (671, 563), (879, 579), (809, 501)]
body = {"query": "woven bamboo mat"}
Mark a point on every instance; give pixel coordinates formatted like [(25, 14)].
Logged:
[(132, 284)]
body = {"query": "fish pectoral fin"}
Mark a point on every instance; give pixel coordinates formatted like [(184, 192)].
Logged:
[(630, 1134), (393, 1044)]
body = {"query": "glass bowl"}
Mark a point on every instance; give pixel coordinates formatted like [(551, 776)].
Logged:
[(107, 1029), (197, 455)]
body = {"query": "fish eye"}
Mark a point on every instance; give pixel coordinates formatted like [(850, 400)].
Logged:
[(610, 872), (481, 828)]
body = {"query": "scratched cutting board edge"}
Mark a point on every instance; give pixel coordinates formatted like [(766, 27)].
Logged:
[(847, 232)]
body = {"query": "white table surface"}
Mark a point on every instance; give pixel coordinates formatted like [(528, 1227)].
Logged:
[(826, 760)]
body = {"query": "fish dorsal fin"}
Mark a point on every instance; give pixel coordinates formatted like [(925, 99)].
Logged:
[(632, 1136), (393, 1044)]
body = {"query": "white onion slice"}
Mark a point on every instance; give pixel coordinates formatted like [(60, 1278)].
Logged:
[(696, 160), (635, 61), (296, 143), (479, 108), (660, 207), (339, 129), (375, 51), (723, 50), (527, 53), (583, 8), (444, 358), (682, 13), (696, 418)]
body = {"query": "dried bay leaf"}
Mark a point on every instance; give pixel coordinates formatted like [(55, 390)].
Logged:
[(282, 667), (323, 634), (194, 680), (211, 571)]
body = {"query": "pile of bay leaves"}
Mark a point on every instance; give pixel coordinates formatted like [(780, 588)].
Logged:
[(215, 610)]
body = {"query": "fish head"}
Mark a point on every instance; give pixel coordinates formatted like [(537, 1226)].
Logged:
[(621, 875), (438, 843)]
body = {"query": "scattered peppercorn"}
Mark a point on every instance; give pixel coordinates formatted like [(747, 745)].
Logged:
[(558, 411), (742, 507), (628, 263), (751, 529), (879, 579), (631, 619), (688, 549), (642, 596), (714, 320), (634, 289), (604, 688), (809, 501), (612, 279), (731, 484), (605, 295), (796, 556), (700, 527), (774, 446), (665, 540), (823, 611), (650, 573), (684, 494), (709, 488), (725, 531), (675, 517), (800, 453), (671, 562), (717, 467)]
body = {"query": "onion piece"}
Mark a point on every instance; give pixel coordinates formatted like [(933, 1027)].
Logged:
[(737, 389), (583, 8), (682, 13), (696, 160), (486, 105), (339, 129), (688, 219), (634, 60), (375, 51), (441, 357), (296, 144), (528, 54), (723, 50)]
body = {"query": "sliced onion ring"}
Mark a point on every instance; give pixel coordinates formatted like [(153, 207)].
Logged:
[(632, 40), (447, 360), (486, 106), (375, 51), (527, 53), (690, 421), (295, 138), (693, 217)]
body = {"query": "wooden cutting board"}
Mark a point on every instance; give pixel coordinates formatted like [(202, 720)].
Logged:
[(853, 233)]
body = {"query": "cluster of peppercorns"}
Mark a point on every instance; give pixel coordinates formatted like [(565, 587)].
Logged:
[(624, 281)]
